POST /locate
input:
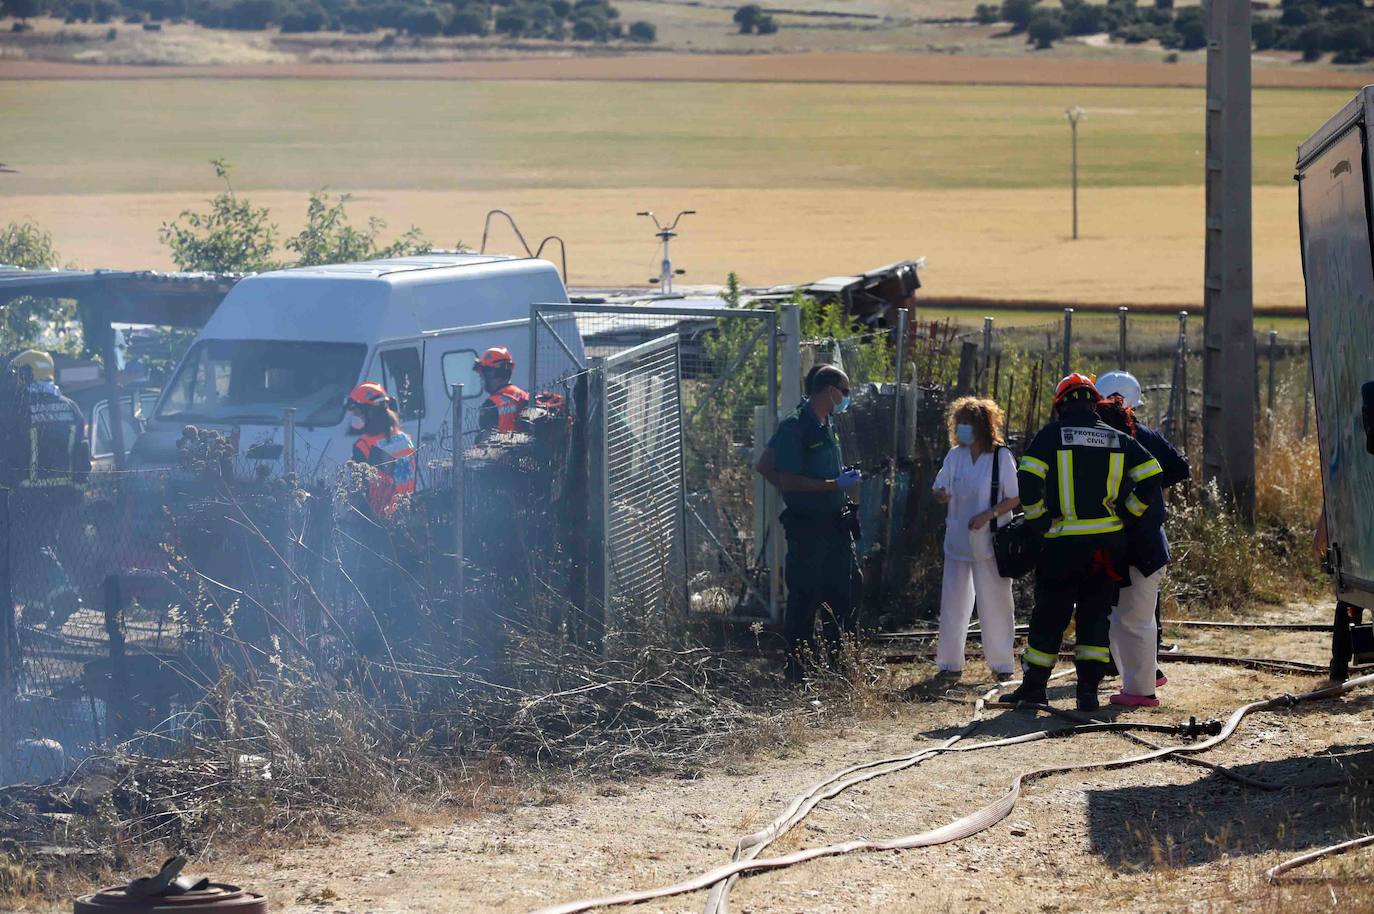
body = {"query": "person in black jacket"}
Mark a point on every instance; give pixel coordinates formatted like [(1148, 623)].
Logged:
[(1082, 483), (1135, 620)]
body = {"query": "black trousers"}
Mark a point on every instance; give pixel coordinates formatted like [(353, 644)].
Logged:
[(821, 570), (1077, 576), (1342, 649)]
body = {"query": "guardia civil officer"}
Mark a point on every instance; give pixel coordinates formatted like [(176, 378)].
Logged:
[(804, 462), (1081, 482)]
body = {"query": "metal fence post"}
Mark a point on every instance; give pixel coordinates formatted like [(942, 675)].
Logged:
[(598, 506), (791, 340), (987, 353), (459, 504), (889, 509), (533, 387), (1181, 423), (288, 460), (1121, 344), (1273, 345), (1068, 342), (9, 642), (791, 356)]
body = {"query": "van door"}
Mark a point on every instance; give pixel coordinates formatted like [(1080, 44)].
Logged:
[(449, 361), (1338, 269), (400, 369)]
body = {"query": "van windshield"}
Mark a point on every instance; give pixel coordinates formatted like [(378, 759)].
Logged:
[(253, 381)]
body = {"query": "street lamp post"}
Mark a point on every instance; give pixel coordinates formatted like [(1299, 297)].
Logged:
[(1075, 114)]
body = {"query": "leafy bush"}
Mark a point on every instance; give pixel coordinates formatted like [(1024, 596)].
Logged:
[(1018, 13), (1264, 33), (234, 236), (747, 16), (328, 238), (1044, 29), (24, 320), (423, 21), (766, 25), (1082, 18), (251, 15), (643, 31), (987, 13), (467, 22), (308, 17)]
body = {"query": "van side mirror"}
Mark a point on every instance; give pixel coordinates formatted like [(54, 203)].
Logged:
[(1367, 411)]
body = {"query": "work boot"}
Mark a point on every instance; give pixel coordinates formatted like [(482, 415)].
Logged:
[(1089, 677), (1030, 691)]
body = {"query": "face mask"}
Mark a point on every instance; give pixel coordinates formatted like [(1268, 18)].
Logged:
[(356, 422), (964, 433), (843, 406)]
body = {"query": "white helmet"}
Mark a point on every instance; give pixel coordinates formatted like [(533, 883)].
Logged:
[(1120, 382)]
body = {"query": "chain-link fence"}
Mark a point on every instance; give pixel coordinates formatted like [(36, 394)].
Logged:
[(728, 364)]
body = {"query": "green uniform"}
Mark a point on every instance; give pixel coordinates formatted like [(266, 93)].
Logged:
[(821, 565)]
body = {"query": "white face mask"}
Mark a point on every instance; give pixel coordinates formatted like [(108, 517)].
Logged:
[(356, 422)]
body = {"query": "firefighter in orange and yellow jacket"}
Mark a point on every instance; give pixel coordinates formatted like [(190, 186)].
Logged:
[(382, 445), (504, 408)]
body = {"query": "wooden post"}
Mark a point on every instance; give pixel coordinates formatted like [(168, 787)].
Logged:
[(986, 361), (1068, 343), (968, 361)]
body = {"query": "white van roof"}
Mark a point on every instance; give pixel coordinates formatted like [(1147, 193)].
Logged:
[(381, 299)]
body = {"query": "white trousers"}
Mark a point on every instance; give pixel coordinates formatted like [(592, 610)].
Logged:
[(1135, 637), (964, 581)]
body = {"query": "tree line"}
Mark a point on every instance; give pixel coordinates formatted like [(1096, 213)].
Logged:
[(556, 20), (1344, 28)]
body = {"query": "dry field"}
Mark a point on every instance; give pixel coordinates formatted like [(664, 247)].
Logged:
[(1139, 245), (792, 182)]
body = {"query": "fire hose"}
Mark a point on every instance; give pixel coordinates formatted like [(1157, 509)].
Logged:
[(964, 827)]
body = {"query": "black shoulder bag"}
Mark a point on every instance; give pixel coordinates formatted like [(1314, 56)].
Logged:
[(1015, 548)]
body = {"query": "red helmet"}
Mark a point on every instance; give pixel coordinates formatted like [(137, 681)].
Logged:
[(1072, 385), (368, 393), (496, 357)]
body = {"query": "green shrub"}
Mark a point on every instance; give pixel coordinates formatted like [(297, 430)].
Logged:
[(467, 22), (1045, 28), (747, 16), (1018, 13), (642, 31), (766, 25), (987, 13)]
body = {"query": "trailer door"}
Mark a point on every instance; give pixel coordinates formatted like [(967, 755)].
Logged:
[(1338, 268)]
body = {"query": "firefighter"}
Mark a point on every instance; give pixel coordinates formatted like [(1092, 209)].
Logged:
[(1081, 483), (504, 408), (1136, 632), (382, 445), (804, 462), (59, 452)]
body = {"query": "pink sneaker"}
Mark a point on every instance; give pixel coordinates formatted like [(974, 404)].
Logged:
[(1134, 701), (1160, 679)]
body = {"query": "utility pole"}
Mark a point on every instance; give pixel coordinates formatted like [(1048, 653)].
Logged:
[(1075, 114), (1228, 403), (665, 234)]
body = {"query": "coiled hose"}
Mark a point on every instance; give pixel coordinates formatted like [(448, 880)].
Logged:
[(961, 828)]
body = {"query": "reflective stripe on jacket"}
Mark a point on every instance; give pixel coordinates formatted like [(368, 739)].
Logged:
[(393, 457), (503, 409), (1079, 475)]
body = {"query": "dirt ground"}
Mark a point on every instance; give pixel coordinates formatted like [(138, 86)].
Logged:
[(1159, 837), (1140, 244), (823, 67)]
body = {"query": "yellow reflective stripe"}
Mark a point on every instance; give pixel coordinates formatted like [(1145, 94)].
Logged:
[(1033, 466), (1145, 470), (1089, 652), (1135, 505), (1069, 527), (1116, 466), (1066, 508), (1039, 658), (1034, 511)]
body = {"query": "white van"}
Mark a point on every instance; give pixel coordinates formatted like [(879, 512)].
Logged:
[(303, 338)]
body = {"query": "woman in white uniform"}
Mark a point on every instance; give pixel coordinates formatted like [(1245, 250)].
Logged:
[(964, 484)]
